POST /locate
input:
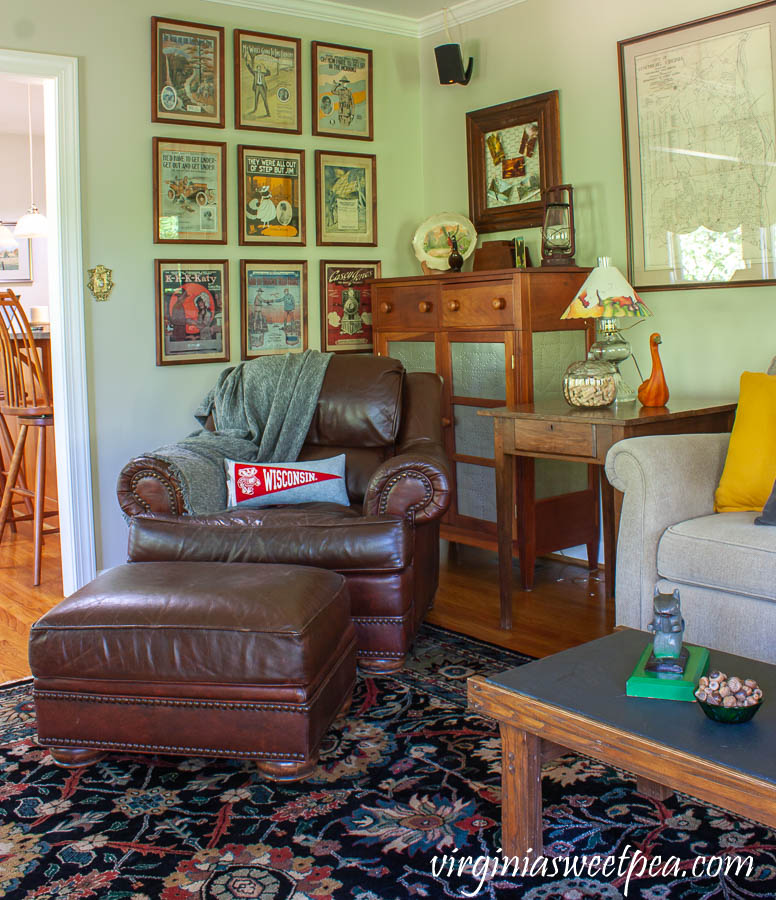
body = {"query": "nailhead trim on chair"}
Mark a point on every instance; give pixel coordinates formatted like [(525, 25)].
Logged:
[(395, 653), (64, 743), (163, 701), (374, 620), (394, 480), (150, 473)]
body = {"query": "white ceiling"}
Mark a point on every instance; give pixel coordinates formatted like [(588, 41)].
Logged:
[(13, 106), (415, 9)]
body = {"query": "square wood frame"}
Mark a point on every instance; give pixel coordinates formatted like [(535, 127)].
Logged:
[(541, 108), (244, 263), (369, 136), (239, 33)]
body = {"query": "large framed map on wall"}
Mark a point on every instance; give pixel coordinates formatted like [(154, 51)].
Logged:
[(699, 142)]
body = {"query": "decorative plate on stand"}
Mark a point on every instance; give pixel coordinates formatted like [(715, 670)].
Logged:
[(431, 241)]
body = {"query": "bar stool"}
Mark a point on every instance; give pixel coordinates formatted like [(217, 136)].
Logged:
[(27, 399)]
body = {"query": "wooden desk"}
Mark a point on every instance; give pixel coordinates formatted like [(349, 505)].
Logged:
[(551, 429)]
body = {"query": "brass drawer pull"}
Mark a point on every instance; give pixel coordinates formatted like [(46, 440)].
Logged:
[(453, 305), (498, 303), (424, 306), (446, 423), (385, 307)]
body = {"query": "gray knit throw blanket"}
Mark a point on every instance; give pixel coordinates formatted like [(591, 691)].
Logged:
[(262, 410)]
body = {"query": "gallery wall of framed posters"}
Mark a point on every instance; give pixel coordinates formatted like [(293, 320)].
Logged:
[(273, 307), (271, 190), (192, 311), (189, 191), (187, 73), (267, 82)]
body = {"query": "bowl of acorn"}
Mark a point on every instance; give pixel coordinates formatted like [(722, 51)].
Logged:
[(728, 699)]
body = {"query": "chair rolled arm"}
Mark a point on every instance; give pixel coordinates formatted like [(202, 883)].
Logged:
[(416, 483), (149, 485)]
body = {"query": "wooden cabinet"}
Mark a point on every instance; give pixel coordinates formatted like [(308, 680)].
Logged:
[(496, 338)]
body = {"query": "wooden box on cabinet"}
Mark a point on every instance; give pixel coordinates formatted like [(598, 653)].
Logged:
[(496, 338)]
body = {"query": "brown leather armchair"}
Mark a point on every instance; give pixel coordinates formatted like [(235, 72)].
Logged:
[(388, 424)]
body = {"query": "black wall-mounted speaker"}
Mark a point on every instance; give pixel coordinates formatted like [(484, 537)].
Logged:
[(449, 60)]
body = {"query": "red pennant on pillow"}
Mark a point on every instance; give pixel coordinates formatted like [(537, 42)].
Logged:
[(257, 481)]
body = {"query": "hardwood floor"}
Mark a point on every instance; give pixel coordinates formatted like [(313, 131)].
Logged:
[(567, 606), (21, 603)]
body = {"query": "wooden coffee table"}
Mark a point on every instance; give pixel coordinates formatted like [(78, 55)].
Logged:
[(576, 700)]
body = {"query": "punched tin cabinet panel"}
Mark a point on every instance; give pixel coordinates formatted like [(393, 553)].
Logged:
[(473, 433), (415, 356), (476, 491), (479, 370)]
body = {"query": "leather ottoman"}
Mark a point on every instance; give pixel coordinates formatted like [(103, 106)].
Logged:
[(196, 658)]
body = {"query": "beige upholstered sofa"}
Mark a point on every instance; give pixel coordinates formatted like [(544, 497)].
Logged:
[(723, 564)]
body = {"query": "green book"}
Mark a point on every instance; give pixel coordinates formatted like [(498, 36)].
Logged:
[(668, 687)]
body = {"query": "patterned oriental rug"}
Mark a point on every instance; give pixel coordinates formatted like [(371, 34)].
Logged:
[(406, 777)]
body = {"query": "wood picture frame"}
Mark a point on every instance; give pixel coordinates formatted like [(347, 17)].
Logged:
[(187, 73), (513, 154), (346, 305), (342, 101), (271, 189), (697, 198), (189, 191), (267, 73), (192, 311), (16, 262), (273, 307), (345, 199)]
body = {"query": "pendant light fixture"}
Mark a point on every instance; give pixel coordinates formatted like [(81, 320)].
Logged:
[(33, 224)]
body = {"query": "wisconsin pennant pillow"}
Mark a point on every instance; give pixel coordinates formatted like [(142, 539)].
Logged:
[(254, 484)]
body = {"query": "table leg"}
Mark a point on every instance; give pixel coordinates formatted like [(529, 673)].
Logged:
[(610, 539), (526, 521), (521, 793), (505, 514), (592, 544), (652, 789)]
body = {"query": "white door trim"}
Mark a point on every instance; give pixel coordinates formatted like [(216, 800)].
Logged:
[(59, 77)]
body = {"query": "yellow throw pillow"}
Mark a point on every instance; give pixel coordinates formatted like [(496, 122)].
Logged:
[(750, 467)]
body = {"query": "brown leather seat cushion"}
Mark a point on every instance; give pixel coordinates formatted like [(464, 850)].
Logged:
[(195, 622)]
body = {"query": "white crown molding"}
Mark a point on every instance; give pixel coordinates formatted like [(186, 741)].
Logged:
[(358, 17)]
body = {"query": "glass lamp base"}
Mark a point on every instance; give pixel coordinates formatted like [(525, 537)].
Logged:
[(625, 393)]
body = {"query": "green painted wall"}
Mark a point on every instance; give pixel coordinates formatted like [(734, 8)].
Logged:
[(709, 335), (136, 406)]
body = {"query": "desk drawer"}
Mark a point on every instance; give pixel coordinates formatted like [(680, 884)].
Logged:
[(562, 438), (412, 307), (478, 305)]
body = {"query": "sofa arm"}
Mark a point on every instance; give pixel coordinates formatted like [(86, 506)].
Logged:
[(150, 485), (416, 484), (665, 479)]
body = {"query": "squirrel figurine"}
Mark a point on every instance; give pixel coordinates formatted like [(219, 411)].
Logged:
[(654, 391)]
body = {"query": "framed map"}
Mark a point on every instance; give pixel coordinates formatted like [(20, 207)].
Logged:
[(699, 139), (189, 195), (267, 82), (513, 154), (342, 92), (187, 73)]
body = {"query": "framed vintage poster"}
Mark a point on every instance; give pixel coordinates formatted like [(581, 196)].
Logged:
[(187, 73), (273, 307), (346, 305), (271, 195), (15, 259), (346, 199), (342, 92), (189, 194), (513, 156), (267, 82), (699, 142), (192, 311)]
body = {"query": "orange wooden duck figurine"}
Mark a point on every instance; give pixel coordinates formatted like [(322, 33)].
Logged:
[(654, 391)]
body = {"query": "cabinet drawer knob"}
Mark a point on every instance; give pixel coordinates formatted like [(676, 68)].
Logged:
[(498, 303), (424, 306), (446, 423), (453, 305), (385, 307)]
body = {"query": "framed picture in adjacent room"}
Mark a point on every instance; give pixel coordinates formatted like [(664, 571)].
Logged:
[(192, 311), (346, 305), (271, 195), (342, 92), (273, 307), (189, 191), (267, 82), (699, 142), (346, 199), (15, 260), (187, 73), (513, 154)]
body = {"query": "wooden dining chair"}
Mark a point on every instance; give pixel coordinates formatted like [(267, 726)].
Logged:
[(27, 399)]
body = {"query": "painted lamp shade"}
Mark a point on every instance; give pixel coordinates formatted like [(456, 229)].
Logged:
[(606, 295)]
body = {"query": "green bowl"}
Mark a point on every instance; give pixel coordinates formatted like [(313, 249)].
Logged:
[(729, 715)]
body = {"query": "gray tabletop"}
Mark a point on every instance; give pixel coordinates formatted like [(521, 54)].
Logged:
[(590, 680)]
